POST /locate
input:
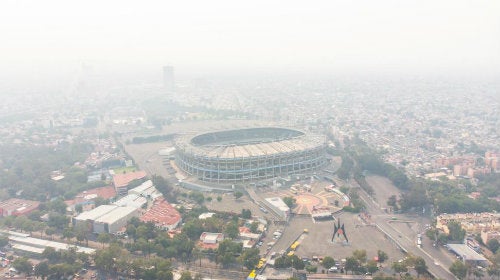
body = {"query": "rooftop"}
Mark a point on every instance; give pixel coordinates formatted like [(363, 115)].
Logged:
[(18, 206), (116, 214), (96, 212), (162, 213), (89, 195), (466, 252), (122, 180)]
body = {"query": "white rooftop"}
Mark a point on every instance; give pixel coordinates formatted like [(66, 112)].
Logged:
[(96, 212), (115, 215)]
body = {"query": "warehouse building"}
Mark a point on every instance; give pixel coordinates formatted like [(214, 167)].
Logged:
[(163, 215), (278, 206), (35, 246), (17, 207), (131, 200), (92, 215), (115, 220)]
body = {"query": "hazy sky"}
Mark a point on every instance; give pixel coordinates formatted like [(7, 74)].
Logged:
[(356, 35)]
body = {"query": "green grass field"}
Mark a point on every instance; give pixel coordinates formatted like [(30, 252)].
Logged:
[(122, 170)]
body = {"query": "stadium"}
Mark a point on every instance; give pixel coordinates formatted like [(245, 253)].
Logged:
[(250, 154)]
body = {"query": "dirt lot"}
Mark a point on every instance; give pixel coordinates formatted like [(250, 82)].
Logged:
[(383, 187)]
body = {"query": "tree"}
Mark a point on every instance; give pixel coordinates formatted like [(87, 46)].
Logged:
[(399, 267), (238, 194), (68, 233), (232, 230), (42, 270), (4, 240), (382, 256), (289, 201), (456, 231), (250, 258), (351, 264), (254, 226), (78, 208), (58, 206), (493, 245), (359, 255), (393, 202), (328, 262), (420, 266), (51, 254), (82, 232), (372, 266), (311, 268), (23, 265), (459, 269), (219, 198), (103, 237), (98, 201), (246, 213)]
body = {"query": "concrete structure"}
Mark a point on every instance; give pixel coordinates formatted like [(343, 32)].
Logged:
[(147, 190), (115, 220), (211, 238), (163, 215), (121, 181), (278, 206), (131, 200), (37, 246), (206, 215), (252, 154), (17, 207), (467, 254), (86, 198), (92, 215)]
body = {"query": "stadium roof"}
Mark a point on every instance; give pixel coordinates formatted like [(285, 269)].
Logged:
[(305, 142)]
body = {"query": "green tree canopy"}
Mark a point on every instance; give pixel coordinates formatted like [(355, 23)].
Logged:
[(459, 269)]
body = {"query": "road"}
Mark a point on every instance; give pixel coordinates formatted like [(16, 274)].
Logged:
[(407, 243)]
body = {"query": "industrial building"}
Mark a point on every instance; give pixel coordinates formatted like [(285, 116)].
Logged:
[(147, 190), (131, 200), (26, 244), (115, 220), (163, 215), (278, 206), (248, 155), (92, 215), (17, 207), (121, 181), (106, 218)]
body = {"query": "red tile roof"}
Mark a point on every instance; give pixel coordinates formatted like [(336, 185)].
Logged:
[(89, 195), (162, 214), (16, 206), (121, 180)]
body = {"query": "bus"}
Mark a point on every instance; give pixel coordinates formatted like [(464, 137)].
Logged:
[(294, 245)]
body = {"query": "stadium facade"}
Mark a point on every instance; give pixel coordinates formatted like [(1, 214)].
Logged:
[(250, 155)]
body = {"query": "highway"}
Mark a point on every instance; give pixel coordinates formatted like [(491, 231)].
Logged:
[(384, 223)]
